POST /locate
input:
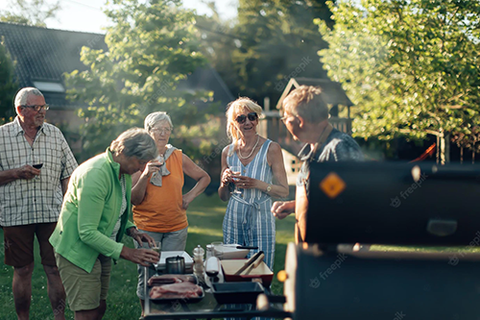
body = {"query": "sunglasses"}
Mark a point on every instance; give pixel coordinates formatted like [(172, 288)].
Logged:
[(252, 116)]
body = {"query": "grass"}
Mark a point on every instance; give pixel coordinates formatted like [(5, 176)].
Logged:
[(205, 218)]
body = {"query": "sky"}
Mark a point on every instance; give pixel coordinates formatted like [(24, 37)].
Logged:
[(87, 16)]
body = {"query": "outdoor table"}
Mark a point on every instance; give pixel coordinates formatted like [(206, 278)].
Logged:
[(205, 308)]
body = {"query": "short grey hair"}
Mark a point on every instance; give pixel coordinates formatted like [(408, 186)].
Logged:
[(22, 95), (135, 142), (155, 117), (307, 102)]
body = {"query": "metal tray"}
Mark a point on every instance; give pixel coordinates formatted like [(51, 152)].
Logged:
[(237, 292)]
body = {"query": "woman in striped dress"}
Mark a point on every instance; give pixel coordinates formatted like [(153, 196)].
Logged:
[(258, 174)]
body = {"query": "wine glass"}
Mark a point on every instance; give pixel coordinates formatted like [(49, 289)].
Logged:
[(37, 164), (236, 170)]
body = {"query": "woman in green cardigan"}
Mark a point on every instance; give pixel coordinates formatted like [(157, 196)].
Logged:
[(96, 210)]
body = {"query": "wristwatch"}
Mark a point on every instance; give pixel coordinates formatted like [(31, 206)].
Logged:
[(269, 187)]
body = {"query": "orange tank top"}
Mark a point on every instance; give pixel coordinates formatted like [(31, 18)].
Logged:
[(161, 209)]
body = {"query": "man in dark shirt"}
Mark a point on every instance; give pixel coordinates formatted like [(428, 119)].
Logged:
[(306, 117)]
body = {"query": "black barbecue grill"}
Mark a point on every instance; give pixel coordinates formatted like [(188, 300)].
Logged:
[(395, 204)]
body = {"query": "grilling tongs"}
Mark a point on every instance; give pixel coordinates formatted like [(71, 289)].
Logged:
[(249, 262)]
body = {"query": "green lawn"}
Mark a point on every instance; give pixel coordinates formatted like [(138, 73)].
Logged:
[(205, 217)]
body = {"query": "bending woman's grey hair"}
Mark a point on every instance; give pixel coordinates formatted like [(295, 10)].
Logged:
[(22, 95), (135, 142), (153, 118)]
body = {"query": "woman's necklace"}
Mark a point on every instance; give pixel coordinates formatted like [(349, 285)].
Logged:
[(251, 152)]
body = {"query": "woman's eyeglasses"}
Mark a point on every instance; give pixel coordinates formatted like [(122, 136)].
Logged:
[(252, 116), (163, 130)]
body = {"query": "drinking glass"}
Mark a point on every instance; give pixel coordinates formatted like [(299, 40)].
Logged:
[(217, 249), (237, 170), (37, 164), (157, 248)]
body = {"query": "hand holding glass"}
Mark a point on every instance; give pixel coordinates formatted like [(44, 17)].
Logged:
[(157, 248), (236, 170)]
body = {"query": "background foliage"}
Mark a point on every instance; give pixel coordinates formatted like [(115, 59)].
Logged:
[(151, 48), (258, 53), (8, 87), (30, 12), (411, 67)]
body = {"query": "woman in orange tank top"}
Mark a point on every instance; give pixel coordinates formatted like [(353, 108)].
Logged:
[(159, 205)]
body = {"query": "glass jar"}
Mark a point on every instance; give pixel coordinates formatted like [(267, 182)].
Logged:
[(198, 262)]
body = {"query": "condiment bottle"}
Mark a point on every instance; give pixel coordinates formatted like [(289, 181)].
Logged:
[(198, 264), (210, 252)]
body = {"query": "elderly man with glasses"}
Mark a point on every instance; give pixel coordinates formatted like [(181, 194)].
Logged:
[(306, 118), (35, 166)]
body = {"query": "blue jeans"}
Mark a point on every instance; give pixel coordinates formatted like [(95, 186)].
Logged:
[(171, 241)]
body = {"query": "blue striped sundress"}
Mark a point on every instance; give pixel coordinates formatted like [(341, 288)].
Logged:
[(248, 220)]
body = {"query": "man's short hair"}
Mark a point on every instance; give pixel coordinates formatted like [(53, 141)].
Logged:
[(135, 142), (306, 102), (22, 95)]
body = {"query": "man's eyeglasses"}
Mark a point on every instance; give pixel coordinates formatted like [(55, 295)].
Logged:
[(252, 116), (162, 130), (38, 108)]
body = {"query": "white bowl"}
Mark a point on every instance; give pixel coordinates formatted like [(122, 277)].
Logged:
[(230, 251)]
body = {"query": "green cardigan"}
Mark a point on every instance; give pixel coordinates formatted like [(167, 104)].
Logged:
[(90, 210)]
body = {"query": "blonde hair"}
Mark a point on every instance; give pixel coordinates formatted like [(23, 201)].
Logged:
[(306, 102), (233, 110)]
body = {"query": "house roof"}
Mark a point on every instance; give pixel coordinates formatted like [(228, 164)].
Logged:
[(331, 91), (42, 55)]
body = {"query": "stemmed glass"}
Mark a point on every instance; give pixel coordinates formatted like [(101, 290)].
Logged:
[(236, 170), (37, 164)]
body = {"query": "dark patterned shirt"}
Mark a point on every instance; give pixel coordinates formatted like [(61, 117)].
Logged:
[(37, 200), (339, 146)]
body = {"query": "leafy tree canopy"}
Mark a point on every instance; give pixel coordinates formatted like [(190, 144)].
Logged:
[(410, 66), (272, 41), (30, 12), (152, 46), (8, 86)]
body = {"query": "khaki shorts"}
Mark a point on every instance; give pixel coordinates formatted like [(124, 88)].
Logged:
[(19, 242), (85, 290)]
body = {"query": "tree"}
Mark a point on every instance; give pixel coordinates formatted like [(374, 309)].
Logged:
[(30, 12), (272, 41), (411, 67), (151, 48), (8, 87)]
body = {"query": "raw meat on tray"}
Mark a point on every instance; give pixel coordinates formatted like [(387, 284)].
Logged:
[(170, 278), (182, 290)]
